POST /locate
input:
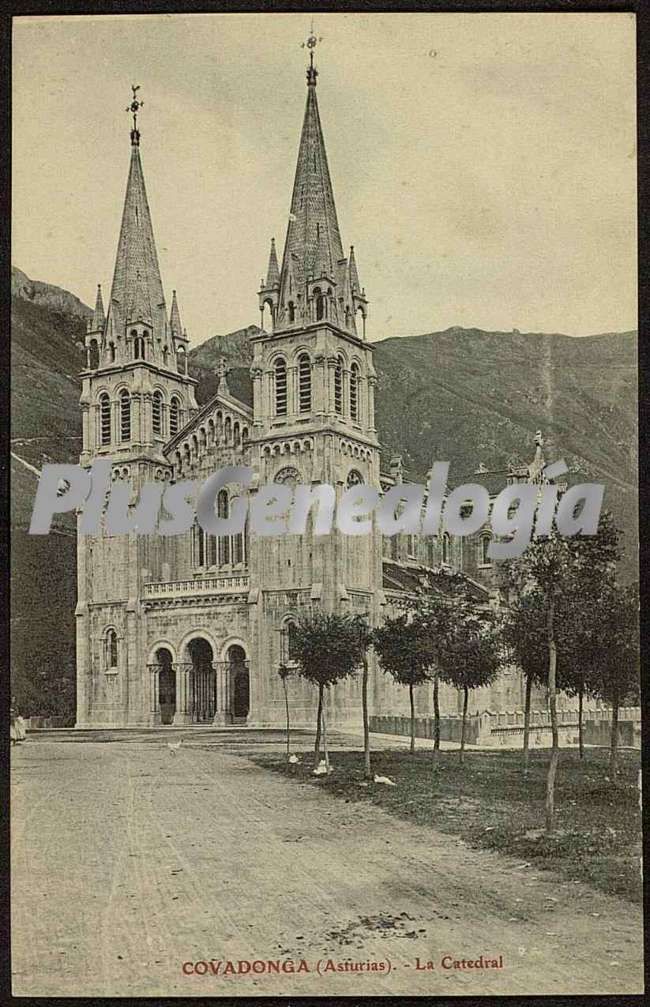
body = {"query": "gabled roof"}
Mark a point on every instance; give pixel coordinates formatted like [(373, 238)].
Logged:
[(226, 401), (414, 578)]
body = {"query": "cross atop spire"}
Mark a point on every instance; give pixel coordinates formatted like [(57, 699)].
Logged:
[(311, 43), (133, 108)]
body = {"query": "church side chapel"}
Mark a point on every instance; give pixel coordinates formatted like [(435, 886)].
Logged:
[(191, 629)]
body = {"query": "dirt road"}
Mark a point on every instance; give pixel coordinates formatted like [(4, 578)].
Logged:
[(131, 864)]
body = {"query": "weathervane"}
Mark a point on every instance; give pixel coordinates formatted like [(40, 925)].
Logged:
[(133, 108), (311, 43)]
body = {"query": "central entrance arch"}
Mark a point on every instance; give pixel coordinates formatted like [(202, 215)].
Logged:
[(202, 699)]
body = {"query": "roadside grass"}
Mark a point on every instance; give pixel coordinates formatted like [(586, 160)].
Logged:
[(490, 804)]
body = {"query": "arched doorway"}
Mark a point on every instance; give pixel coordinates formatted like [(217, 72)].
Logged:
[(202, 681), (239, 683), (166, 686)]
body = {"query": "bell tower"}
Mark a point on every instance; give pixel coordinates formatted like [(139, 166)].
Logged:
[(135, 389), (136, 394), (314, 416)]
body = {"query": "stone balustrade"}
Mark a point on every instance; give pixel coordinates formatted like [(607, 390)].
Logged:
[(505, 730), (234, 583)]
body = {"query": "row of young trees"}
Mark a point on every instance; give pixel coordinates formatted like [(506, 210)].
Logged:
[(566, 622)]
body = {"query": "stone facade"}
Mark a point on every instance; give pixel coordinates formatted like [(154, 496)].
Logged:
[(192, 629)]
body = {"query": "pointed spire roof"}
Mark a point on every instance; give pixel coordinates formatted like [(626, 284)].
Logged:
[(313, 238), (137, 286), (273, 271), (175, 317), (354, 275), (98, 314)]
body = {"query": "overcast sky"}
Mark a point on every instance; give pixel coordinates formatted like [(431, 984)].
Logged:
[(483, 165)]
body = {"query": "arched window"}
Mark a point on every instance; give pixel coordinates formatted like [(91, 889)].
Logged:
[(320, 305), (156, 412), (195, 446), (227, 431), (138, 348), (93, 355), (338, 386), (210, 431), (304, 383), (111, 649), (224, 540), (212, 550), (199, 546), (111, 352), (483, 551), (292, 312), (104, 419), (354, 392), (181, 360), (125, 415), (280, 387), (446, 548), (236, 435), (174, 416), (237, 548), (289, 641)]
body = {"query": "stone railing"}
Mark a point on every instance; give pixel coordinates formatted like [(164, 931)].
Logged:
[(505, 730), (231, 584)]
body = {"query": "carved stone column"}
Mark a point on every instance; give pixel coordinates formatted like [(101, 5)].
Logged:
[(221, 669), (155, 696), (257, 375), (372, 382)]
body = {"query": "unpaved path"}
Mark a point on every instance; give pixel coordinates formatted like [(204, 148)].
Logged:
[(129, 861)]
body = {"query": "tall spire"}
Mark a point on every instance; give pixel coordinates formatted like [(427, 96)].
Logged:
[(313, 236), (98, 314), (137, 287), (314, 267)]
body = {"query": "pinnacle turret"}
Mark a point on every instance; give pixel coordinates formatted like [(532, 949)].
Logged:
[(273, 271), (98, 319), (175, 317)]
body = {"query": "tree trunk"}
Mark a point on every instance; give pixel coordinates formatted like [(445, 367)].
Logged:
[(529, 689), (319, 718), (436, 714), (324, 718), (613, 751), (552, 705), (286, 705), (462, 726), (367, 770), (412, 718), (581, 747)]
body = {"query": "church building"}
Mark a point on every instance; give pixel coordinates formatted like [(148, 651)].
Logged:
[(192, 629)]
